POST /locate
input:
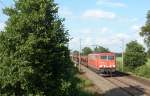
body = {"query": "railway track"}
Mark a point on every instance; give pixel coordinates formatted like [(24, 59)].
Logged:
[(130, 89)]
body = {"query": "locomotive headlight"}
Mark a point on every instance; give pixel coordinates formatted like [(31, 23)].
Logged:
[(100, 66), (104, 66), (114, 66), (110, 66)]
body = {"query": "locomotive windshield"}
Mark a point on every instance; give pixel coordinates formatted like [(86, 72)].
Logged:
[(107, 57), (104, 57), (110, 57)]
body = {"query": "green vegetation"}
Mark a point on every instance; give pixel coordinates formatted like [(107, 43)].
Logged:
[(143, 70), (135, 55), (84, 85), (84, 81), (86, 50), (119, 63), (101, 49), (145, 31), (34, 58), (76, 52), (135, 60)]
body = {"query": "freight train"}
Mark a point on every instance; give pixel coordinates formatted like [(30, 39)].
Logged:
[(102, 62)]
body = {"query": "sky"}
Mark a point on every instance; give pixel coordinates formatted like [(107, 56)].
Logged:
[(107, 23)]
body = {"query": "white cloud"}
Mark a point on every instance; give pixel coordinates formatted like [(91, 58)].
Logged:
[(87, 41), (136, 28), (140, 40), (134, 19), (98, 14), (97, 31), (113, 41), (65, 12), (74, 44), (2, 25), (104, 30), (111, 3), (122, 36), (86, 31)]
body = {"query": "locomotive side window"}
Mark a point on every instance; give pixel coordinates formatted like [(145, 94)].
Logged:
[(110, 57), (104, 57)]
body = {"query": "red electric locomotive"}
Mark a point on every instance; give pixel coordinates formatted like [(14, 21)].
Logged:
[(103, 62)]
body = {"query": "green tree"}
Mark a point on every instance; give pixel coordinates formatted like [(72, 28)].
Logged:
[(145, 32), (101, 49), (34, 58), (135, 55), (148, 53), (86, 50), (75, 52)]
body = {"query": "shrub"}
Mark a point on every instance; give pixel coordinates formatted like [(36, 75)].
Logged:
[(135, 55)]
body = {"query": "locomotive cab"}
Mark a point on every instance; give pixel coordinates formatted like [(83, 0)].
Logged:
[(107, 63), (103, 62)]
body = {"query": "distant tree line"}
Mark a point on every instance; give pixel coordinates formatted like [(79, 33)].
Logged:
[(99, 49), (88, 50)]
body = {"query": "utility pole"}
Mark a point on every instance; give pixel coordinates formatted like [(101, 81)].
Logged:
[(122, 54), (80, 56)]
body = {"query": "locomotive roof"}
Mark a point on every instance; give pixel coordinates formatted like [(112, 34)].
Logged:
[(104, 53)]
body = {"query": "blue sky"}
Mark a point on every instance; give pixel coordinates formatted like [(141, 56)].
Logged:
[(99, 22)]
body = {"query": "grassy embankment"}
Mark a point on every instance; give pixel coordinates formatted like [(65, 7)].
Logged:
[(86, 87), (143, 71)]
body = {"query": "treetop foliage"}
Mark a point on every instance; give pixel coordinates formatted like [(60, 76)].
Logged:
[(134, 46), (145, 31), (101, 49), (86, 50), (34, 59)]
